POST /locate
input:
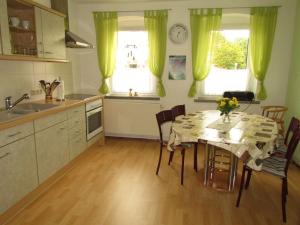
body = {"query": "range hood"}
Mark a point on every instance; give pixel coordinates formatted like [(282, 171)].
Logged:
[(72, 40)]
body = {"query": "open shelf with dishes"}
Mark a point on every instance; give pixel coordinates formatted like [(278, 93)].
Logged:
[(22, 31)]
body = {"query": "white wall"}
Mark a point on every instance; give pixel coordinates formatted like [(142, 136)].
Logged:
[(18, 77), (86, 73)]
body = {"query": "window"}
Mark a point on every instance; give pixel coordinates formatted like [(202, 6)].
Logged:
[(229, 70), (132, 71)]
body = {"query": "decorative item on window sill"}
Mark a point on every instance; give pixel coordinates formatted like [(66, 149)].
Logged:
[(136, 94), (132, 63), (130, 92), (225, 106)]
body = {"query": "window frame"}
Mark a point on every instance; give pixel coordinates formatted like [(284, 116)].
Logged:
[(225, 25), (127, 27)]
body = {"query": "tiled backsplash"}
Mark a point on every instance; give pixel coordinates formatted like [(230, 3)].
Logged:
[(19, 77)]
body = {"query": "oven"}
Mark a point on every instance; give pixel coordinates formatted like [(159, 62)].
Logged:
[(94, 118)]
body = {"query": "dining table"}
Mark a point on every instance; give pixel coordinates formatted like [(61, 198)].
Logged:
[(249, 137)]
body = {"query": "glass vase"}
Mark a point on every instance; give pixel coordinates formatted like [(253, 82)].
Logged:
[(226, 118)]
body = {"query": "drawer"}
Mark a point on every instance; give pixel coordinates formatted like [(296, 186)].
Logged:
[(77, 145), (76, 112), (15, 133), (77, 121), (49, 121), (75, 131)]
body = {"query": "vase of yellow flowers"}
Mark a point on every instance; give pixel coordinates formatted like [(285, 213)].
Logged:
[(226, 105)]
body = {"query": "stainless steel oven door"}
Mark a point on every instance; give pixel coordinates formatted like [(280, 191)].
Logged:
[(93, 123)]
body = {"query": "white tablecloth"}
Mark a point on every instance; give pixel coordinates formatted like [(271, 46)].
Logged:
[(249, 137)]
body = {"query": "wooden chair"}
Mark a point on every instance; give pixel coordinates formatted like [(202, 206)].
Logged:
[(179, 110), (282, 143), (162, 118), (275, 113), (276, 166)]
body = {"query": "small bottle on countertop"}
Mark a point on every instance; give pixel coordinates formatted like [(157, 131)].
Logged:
[(60, 90)]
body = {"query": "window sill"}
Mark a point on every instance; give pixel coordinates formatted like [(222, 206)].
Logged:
[(125, 97), (213, 99)]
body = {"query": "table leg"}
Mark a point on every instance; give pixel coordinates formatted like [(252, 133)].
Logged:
[(233, 171)]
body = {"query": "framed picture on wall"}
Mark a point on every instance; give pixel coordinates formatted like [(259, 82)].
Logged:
[(177, 65)]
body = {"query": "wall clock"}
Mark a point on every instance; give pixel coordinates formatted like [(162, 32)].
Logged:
[(178, 33)]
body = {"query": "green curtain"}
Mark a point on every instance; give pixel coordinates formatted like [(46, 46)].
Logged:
[(156, 25), (106, 25), (204, 26), (262, 28)]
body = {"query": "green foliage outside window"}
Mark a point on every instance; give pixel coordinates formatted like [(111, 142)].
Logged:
[(230, 55)]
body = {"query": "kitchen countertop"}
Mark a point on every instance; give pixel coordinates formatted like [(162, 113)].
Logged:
[(8, 120)]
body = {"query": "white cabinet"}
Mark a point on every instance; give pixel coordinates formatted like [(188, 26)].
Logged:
[(15, 133), (77, 131), (18, 168), (50, 32), (6, 45), (52, 148), (31, 31)]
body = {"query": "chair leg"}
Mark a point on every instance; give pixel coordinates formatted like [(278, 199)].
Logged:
[(248, 178), (159, 160), (286, 186), (241, 186), (182, 165), (196, 157), (171, 157), (283, 199)]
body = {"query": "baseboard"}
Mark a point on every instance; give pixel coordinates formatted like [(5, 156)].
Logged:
[(131, 136)]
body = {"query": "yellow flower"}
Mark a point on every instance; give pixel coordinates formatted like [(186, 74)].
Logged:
[(234, 99), (222, 103), (231, 103)]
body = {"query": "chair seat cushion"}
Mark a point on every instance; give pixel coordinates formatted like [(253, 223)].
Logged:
[(274, 165), (186, 145), (281, 149)]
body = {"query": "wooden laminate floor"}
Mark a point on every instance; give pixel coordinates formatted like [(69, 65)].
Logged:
[(117, 185)]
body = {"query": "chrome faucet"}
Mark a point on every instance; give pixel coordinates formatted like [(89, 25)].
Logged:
[(9, 105)]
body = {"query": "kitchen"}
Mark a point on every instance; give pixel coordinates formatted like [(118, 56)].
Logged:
[(127, 122)]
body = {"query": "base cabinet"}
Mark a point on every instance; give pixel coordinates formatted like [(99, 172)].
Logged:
[(18, 174), (52, 150)]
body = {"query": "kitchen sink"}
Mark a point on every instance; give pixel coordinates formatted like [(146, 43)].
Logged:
[(31, 107)]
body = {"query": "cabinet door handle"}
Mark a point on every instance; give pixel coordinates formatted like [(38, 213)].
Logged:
[(77, 121), (5, 155), (12, 135), (62, 128), (49, 52)]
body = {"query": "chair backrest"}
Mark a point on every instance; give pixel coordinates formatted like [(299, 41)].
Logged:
[(293, 127), (291, 148), (274, 112), (161, 118), (178, 110)]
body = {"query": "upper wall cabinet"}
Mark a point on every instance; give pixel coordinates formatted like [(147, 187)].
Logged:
[(30, 30), (50, 33)]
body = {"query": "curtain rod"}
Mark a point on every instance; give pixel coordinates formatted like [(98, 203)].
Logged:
[(121, 11), (242, 7)]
